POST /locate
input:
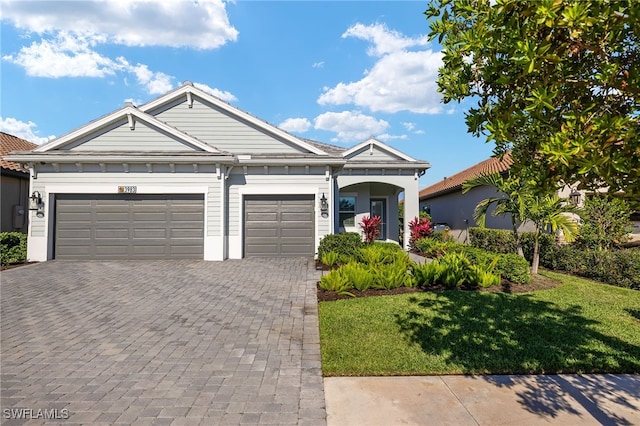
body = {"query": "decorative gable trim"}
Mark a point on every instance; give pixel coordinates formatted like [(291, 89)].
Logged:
[(188, 90), (373, 142), (131, 114)]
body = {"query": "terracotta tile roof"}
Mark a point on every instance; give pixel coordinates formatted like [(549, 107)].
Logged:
[(10, 143), (454, 183)]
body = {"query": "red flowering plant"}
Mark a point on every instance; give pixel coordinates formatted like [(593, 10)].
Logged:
[(371, 227), (420, 228)]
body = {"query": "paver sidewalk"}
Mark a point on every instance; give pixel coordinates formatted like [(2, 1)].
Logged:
[(162, 342)]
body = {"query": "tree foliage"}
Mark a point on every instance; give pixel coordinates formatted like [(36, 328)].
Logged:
[(605, 223), (509, 201), (556, 81)]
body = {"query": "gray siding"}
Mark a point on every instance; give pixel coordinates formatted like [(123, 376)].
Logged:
[(275, 183), (121, 138), (226, 133), (365, 154)]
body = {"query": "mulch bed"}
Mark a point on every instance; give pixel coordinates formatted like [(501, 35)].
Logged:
[(537, 283)]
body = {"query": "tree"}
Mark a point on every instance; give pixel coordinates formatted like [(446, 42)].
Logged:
[(549, 213), (605, 222), (555, 81), (511, 201)]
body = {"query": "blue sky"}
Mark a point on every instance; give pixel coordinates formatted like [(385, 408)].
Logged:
[(332, 71)]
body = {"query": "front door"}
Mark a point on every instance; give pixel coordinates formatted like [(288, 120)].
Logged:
[(379, 208)]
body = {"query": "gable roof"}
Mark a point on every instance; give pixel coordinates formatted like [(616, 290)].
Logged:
[(454, 183), (131, 113), (373, 142), (10, 143), (188, 90)]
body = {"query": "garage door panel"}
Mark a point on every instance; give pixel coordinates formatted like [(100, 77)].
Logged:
[(129, 226), (296, 232), (279, 225)]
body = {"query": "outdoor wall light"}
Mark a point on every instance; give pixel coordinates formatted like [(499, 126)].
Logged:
[(574, 197), (35, 201), (324, 206)]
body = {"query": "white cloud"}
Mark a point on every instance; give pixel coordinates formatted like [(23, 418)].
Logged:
[(23, 130), (387, 137), (400, 80), (201, 24), (350, 125), (318, 64), (295, 125), (155, 83), (408, 125), (224, 95), (384, 40), (66, 55)]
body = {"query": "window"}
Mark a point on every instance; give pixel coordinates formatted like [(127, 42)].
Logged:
[(347, 211)]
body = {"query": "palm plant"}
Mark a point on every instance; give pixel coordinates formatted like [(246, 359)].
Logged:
[(549, 212), (511, 202)]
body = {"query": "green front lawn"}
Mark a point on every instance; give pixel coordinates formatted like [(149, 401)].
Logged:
[(579, 327)]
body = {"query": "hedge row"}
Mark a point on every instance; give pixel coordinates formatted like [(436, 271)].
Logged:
[(502, 241), (616, 267), (13, 248)]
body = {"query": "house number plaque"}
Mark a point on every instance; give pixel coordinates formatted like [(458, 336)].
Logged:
[(127, 189)]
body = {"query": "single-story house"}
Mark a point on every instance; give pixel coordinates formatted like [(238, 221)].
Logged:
[(188, 175), (14, 185), (446, 203)]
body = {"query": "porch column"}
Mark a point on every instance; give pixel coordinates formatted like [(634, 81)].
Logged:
[(411, 207)]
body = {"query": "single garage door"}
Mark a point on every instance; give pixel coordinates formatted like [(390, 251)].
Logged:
[(277, 225), (129, 226)]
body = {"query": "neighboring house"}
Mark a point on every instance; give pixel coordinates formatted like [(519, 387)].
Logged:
[(190, 176), (14, 185), (446, 203)]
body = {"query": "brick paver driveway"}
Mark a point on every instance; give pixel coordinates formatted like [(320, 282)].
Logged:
[(162, 342)]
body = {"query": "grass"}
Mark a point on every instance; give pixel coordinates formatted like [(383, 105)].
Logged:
[(578, 327)]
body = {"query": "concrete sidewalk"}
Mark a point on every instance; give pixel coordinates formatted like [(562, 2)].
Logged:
[(483, 400)]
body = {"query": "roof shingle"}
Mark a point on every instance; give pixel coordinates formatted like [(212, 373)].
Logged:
[(10, 143), (454, 183)]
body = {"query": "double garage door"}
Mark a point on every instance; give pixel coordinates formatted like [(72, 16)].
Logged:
[(129, 226), (279, 225)]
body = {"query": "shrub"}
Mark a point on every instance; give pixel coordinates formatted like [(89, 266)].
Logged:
[(346, 245), (454, 270), (496, 240), (419, 228), (605, 223), (432, 247), (509, 266), (376, 254), (358, 276), (371, 228), (483, 276), (392, 276), (617, 267), (501, 241), (330, 258), (13, 248), (335, 281), (426, 274)]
